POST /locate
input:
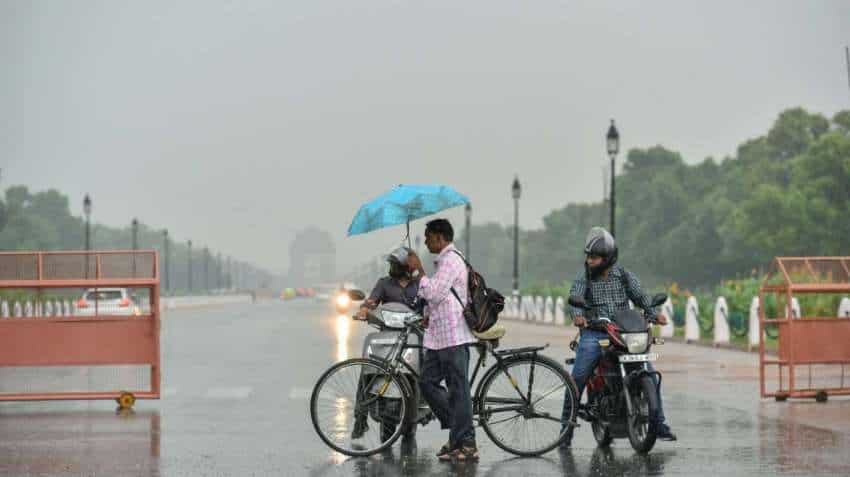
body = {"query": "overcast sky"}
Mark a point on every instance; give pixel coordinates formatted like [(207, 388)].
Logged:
[(237, 123)]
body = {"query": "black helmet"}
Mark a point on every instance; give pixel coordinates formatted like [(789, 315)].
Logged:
[(601, 243), (398, 263)]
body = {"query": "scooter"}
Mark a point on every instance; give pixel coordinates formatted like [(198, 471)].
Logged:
[(388, 318)]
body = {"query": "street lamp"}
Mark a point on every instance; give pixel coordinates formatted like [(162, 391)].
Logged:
[(468, 211), (516, 191), (613, 142), (135, 242), (166, 252), (189, 261), (87, 211), (206, 270)]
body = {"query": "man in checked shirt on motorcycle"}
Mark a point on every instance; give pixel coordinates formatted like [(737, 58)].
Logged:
[(610, 289)]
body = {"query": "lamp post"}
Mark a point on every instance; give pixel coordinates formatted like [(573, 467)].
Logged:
[(135, 242), (166, 251), (87, 211), (613, 143), (189, 261), (218, 271), (516, 192), (468, 211), (206, 270)]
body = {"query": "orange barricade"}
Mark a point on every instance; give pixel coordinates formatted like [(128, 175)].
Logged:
[(93, 332), (812, 350)]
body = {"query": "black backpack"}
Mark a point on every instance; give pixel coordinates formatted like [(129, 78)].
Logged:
[(485, 304)]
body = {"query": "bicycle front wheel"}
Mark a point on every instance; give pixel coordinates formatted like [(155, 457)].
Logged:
[(357, 407), (521, 402)]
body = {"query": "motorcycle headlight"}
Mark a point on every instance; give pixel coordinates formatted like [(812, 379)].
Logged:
[(393, 319), (636, 342), (343, 301)]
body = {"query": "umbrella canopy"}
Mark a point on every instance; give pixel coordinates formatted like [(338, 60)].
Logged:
[(403, 204)]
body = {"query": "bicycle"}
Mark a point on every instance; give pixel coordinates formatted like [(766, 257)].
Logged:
[(517, 416)]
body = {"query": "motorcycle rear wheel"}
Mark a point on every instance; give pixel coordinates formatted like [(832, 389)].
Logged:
[(642, 426)]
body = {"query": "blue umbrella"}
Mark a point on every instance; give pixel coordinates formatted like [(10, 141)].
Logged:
[(403, 204)]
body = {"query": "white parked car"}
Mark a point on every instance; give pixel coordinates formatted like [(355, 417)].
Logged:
[(107, 301)]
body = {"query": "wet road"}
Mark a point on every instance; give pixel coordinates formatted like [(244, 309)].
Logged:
[(236, 384)]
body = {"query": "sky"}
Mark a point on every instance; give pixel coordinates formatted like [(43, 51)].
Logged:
[(236, 124)]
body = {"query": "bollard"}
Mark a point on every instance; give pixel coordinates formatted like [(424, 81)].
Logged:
[(17, 311), (753, 334), (548, 312), (668, 330), (721, 322), (508, 312), (560, 316), (527, 308), (844, 308), (795, 308), (57, 305), (692, 320), (66, 308), (538, 308), (4, 309), (48, 308), (28, 311)]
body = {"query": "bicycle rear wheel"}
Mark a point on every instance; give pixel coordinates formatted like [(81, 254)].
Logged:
[(356, 407), (520, 404)]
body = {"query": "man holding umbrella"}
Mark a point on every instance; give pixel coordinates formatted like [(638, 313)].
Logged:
[(446, 341)]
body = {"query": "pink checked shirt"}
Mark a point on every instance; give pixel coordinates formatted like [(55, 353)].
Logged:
[(445, 314)]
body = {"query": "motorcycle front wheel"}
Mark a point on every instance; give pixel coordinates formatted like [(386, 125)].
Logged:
[(347, 403), (642, 425)]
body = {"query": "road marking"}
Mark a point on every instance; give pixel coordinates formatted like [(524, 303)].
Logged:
[(299, 394), (240, 392)]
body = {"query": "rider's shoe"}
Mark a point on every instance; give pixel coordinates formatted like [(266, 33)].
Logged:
[(664, 433), (361, 425)]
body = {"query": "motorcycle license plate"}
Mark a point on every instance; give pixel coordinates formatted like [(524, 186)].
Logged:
[(638, 358)]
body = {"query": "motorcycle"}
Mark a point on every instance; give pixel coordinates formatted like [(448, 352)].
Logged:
[(389, 319), (623, 394)]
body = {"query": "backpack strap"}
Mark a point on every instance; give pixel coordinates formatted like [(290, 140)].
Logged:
[(468, 266)]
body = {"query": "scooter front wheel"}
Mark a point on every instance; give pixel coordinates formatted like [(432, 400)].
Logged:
[(346, 407)]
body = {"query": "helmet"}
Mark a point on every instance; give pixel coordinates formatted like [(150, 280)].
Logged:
[(601, 243), (398, 262)]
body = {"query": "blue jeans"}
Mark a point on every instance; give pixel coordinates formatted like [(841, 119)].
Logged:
[(452, 406), (587, 357)]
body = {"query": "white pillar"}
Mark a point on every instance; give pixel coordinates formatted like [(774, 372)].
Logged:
[(668, 330), (721, 322), (753, 332), (548, 313), (48, 308), (28, 310), (538, 308), (692, 320), (4, 309), (66, 308), (57, 305), (527, 308), (844, 308), (560, 316), (17, 311), (795, 308)]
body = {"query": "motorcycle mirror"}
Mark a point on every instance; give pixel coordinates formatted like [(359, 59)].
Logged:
[(659, 299), (356, 295), (577, 302)]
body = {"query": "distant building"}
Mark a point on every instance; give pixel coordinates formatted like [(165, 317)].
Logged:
[(312, 258)]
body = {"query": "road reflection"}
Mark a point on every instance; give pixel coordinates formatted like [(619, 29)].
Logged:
[(343, 324), (80, 443), (406, 459)]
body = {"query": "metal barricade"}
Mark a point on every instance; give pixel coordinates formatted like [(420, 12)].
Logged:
[(104, 346), (812, 352)]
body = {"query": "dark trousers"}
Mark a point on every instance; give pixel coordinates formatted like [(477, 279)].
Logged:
[(451, 404)]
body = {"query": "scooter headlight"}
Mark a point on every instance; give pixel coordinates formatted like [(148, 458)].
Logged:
[(636, 342), (343, 301), (393, 319)]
